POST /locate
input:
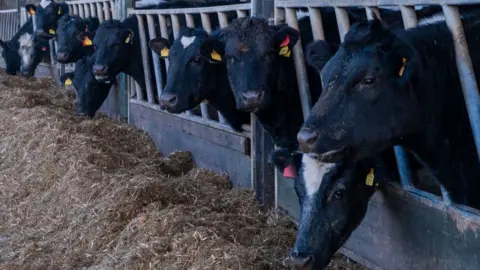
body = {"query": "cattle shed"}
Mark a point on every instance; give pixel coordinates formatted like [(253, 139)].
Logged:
[(406, 226)]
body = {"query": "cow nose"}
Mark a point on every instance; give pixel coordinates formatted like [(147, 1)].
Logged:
[(300, 258), (100, 69), (61, 56), (306, 139), (168, 101), (252, 99)]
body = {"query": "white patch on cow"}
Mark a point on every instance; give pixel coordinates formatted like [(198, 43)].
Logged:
[(302, 14), (45, 3), (313, 172), (26, 48), (187, 41), (439, 17)]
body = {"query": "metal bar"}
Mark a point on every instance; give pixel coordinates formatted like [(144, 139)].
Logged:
[(300, 67), (146, 67), (163, 32), (114, 9), (241, 13), (155, 57), (34, 23), (279, 15), (75, 9), (93, 10), (342, 21), (81, 11), (356, 3), (189, 20), (86, 8), (100, 13), (222, 19), (207, 26), (106, 10), (409, 16), (175, 25), (465, 71), (238, 7), (372, 10), (317, 24)]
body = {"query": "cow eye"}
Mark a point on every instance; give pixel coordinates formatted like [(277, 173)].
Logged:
[(339, 194), (368, 81)]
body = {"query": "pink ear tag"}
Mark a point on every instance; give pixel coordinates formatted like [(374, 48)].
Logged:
[(290, 171), (44, 49)]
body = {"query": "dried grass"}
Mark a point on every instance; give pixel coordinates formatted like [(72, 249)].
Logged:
[(96, 194)]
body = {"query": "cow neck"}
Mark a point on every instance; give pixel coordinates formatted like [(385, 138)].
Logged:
[(282, 117), (445, 143)]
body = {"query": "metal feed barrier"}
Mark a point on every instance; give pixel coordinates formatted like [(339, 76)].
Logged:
[(213, 142), (432, 233)]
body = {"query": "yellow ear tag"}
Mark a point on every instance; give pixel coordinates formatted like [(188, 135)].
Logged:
[(68, 82), (285, 51), (215, 56), (87, 41), (59, 11), (51, 31), (127, 40), (31, 11), (369, 178), (402, 68), (164, 52)]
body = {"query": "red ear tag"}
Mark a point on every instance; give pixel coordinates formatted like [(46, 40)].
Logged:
[(44, 49), (285, 42), (289, 171)]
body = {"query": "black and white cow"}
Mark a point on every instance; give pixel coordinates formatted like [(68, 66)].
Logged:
[(196, 73), (72, 41), (10, 49), (383, 88), (32, 50)]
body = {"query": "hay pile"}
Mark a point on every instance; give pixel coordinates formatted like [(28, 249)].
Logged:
[(96, 194)]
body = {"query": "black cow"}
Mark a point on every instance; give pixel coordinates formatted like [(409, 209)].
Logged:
[(32, 50), (196, 73), (47, 14), (72, 44), (384, 88), (333, 201), (90, 93), (10, 49)]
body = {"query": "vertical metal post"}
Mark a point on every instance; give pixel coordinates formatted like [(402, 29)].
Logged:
[(146, 68), (155, 58), (93, 10), (342, 21), (242, 13), (100, 13), (409, 16), (465, 71), (106, 10), (86, 8), (317, 24), (372, 10)]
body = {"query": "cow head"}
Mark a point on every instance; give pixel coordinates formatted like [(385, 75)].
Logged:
[(333, 201), (113, 45), (32, 49), (367, 100), (90, 93), (194, 60), (11, 57), (253, 50), (72, 41), (47, 15)]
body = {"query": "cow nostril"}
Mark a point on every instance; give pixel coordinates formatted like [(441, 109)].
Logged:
[(172, 100), (99, 69), (252, 96), (300, 258), (307, 138)]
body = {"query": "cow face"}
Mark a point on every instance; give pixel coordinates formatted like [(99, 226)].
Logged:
[(90, 93), (253, 50), (11, 57), (113, 45), (333, 201), (72, 43), (367, 100), (193, 59), (32, 49), (47, 15)]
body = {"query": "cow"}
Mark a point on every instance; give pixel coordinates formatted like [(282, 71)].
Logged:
[(90, 93), (385, 88), (72, 44), (47, 14), (32, 50), (333, 201), (196, 73), (10, 49)]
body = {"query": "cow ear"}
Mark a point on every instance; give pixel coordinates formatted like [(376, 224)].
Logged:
[(3, 45), (67, 78), (31, 9), (213, 50), (285, 38), (160, 46), (127, 36), (62, 9), (318, 53), (86, 38)]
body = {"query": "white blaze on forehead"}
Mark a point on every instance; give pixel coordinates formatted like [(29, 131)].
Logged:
[(26, 48), (45, 3), (187, 41), (439, 17), (313, 172)]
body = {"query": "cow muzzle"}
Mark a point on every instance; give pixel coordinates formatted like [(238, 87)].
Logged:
[(62, 57), (168, 101), (251, 100)]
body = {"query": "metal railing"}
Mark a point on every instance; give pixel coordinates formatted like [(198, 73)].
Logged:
[(169, 19), (285, 11), (8, 23)]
